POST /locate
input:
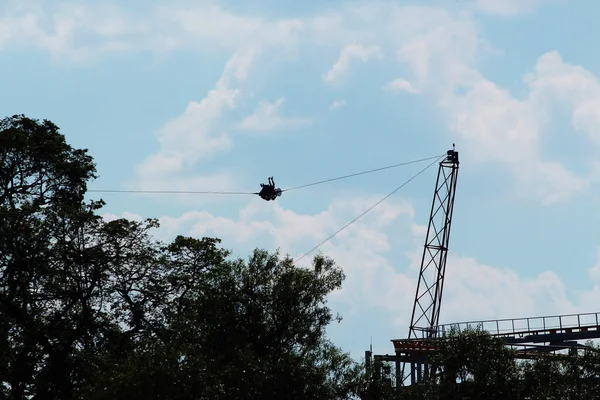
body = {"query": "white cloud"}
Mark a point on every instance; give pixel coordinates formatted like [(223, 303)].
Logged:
[(591, 297), (83, 33), (196, 134), (556, 83), (360, 249), (377, 274), (508, 7), (207, 25), (267, 118), (488, 119), (475, 291), (400, 85), (520, 123), (586, 118), (79, 33), (492, 125), (127, 215), (348, 54), (594, 272), (442, 55), (337, 105)]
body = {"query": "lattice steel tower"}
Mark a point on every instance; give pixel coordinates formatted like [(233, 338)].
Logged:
[(428, 298)]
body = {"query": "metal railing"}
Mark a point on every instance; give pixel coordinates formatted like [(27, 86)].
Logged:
[(521, 326)]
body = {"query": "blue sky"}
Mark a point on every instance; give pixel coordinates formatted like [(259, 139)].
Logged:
[(209, 95)]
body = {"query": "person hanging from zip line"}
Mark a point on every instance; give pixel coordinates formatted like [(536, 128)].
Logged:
[(269, 192)]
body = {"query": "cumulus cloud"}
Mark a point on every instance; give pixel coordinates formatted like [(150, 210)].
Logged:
[(595, 270), (349, 54), (487, 118), (557, 83), (83, 33), (196, 134), (207, 25), (442, 56), (360, 249), (400, 85), (521, 122), (508, 7), (498, 293), (337, 105), (591, 297), (267, 118), (378, 257), (77, 32)]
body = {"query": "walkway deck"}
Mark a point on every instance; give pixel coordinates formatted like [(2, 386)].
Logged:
[(547, 334)]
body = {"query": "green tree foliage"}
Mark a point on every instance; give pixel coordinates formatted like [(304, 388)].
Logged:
[(473, 362), (575, 375), (48, 276), (237, 329), (91, 309), (380, 382)]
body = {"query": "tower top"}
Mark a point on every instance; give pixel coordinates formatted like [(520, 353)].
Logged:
[(452, 155)]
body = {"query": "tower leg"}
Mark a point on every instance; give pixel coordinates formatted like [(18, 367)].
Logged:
[(399, 376)]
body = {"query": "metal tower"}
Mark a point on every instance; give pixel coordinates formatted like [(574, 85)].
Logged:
[(428, 298)]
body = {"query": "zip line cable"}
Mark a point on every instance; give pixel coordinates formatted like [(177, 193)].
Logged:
[(362, 173), (164, 192), (252, 193), (368, 209)]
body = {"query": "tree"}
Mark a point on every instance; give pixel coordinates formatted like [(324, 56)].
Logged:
[(42, 282), (574, 375), (589, 373), (473, 363), (378, 382), (240, 329), (68, 279)]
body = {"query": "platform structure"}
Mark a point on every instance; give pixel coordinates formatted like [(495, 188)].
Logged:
[(528, 336), (547, 333)]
